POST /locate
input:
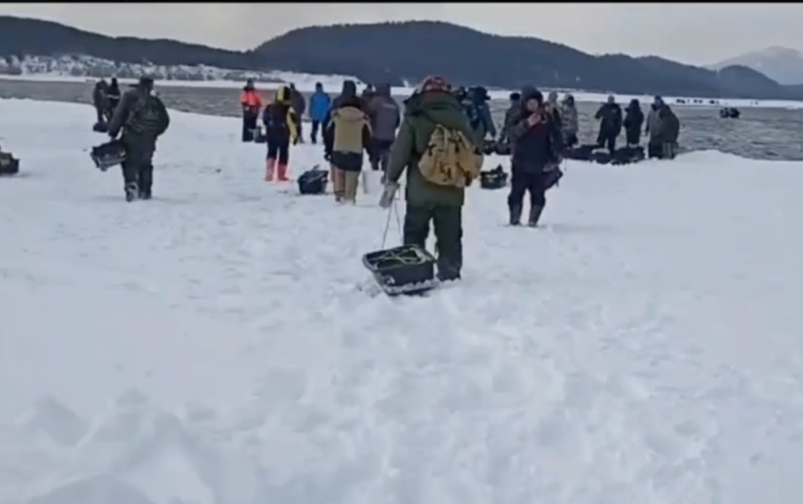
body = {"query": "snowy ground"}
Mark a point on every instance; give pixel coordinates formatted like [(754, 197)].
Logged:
[(210, 347), (333, 83)]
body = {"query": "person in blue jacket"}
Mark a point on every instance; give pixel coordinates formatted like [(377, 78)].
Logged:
[(319, 105)]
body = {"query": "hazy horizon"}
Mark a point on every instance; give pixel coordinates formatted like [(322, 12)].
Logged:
[(698, 34)]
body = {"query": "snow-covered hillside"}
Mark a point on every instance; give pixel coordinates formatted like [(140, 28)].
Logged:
[(90, 67), (211, 347)]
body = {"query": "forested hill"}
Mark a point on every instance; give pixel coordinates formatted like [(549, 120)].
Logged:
[(407, 52)]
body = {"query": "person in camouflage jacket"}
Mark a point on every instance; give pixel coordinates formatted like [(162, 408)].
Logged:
[(431, 104), (142, 118)]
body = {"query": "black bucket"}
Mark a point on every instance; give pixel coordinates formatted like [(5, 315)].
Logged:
[(108, 155)]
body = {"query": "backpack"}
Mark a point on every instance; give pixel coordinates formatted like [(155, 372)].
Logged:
[(450, 159), (148, 116)]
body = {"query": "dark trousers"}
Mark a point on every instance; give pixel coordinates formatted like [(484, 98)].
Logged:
[(138, 164), (448, 226), (314, 134), (524, 182), (279, 150), (380, 154), (249, 125), (101, 116), (300, 130), (633, 136), (609, 142)]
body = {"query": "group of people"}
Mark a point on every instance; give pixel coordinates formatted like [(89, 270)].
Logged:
[(662, 127), (436, 122), (105, 97), (349, 124), (138, 118)]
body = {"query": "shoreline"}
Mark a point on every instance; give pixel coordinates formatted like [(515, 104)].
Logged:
[(332, 85)]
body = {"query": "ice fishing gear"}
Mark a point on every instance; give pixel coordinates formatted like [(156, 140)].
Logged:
[(9, 165), (108, 155), (493, 179), (313, 181), (404, 270)]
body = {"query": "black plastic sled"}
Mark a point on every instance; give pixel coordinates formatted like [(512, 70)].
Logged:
[(313, 181), (100, 127), (108, 155), (493, 179), (406, 270), (9, 165)]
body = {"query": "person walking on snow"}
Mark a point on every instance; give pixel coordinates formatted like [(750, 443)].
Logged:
[(536, 144), (385, 119), (281, 130), (346, 136), (319, 104), (142, 118), (434, 109)]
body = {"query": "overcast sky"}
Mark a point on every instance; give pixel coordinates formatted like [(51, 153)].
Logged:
[(691, 33)]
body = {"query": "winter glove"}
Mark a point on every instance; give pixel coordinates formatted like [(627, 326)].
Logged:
[(388, 194)]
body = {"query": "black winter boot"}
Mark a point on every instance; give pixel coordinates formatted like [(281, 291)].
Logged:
[(131, 191), (515, 215), (535, 215)]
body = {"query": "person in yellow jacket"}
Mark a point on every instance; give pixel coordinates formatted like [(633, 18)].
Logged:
[(280, 130)]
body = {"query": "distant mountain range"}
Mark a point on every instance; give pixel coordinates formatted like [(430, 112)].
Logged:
[(781, 64), (397, 53)]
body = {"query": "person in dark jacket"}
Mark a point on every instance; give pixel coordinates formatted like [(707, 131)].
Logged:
[(385, 119), (536, 141), (569, 122), (281, 130), (319, 105), (610, 117), (143, 118), (100, 99), (113, 95), (634, 118), (299, 106), (553, 107), (479, 114), (511, 112), (432, 104), (346, 136)]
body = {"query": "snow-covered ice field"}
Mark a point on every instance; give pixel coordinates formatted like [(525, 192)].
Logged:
[(211, 347)]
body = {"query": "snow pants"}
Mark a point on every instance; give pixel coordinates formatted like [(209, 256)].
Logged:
[(524, 182), (138, 165), (279, 150), (447, 221)]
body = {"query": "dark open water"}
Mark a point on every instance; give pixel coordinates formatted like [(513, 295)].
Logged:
[(759, 133)]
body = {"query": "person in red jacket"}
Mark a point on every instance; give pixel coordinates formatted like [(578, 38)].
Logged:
[(252, 104)]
